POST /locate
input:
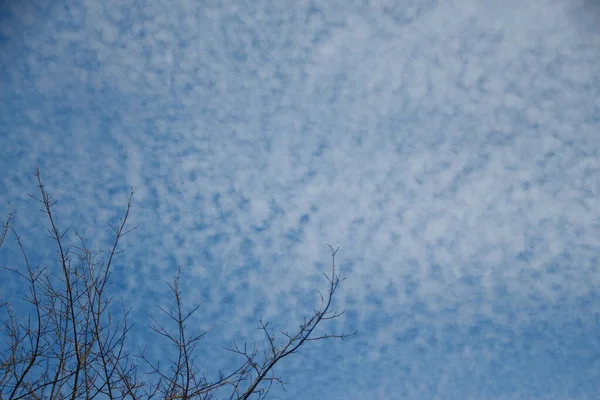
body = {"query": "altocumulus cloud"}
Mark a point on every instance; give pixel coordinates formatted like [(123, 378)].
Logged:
[(450, 148)]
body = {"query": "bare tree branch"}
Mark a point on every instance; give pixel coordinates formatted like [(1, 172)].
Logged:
[(9, 218), (294, 341), (69, 345)]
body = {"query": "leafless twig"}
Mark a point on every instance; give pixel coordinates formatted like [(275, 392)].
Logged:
[(69, 345)]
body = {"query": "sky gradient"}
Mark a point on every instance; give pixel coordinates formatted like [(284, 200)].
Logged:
[(451, 149)]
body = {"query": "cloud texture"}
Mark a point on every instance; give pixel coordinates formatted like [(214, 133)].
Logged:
[(450, 148)]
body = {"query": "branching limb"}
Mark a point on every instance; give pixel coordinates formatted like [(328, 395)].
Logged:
[(69, 345), (294, 341)]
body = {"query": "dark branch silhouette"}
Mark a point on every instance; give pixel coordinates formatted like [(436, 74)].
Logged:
[(69, 345)]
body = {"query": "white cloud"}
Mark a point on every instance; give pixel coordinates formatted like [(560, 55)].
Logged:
[(449, 149)]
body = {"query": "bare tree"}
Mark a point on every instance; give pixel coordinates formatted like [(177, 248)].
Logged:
[(70, 345)]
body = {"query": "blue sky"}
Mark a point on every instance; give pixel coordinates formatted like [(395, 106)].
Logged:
[(451, 149)]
